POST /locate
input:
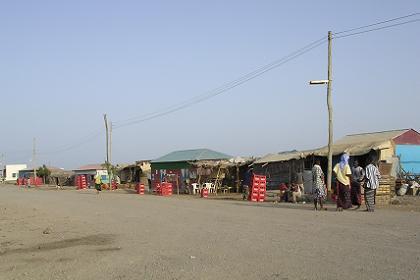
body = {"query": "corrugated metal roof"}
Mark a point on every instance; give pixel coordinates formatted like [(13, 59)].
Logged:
[(51, 168), (192, 155)]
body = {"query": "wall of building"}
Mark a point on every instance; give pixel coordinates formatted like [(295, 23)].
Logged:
[(411, 137), (182, 177), (409, 157), (279, 172), (13, 169), (386, 154), (90, 174)]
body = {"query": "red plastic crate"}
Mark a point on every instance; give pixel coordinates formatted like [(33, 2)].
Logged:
[(140, 188), (205, 193)]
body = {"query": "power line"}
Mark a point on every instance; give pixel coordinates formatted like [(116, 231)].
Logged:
[(375, 29), (377, 23), (243, 79), (217, 91), (225, 87), (119, 123), (66, 148)]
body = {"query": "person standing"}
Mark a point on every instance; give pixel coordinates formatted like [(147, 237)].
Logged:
[(372, 177), (246, 187), (358, 174), (318, 185), (98, 183), (343, 174)]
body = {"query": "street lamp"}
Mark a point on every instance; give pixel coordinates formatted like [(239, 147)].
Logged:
[(330, 113), (318, 82)]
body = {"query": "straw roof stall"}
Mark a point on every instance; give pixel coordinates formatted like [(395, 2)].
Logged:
[(219, 169), (61, 177)]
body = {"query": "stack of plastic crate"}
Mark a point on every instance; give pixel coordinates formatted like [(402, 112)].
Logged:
[(165, 189), (140, 188), (258, 188), (81, 182), (204, 192)]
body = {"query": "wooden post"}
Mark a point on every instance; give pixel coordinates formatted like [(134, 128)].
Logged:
[(238, 181), (107, 147), (177, 184), (330, 114), (33, 158)]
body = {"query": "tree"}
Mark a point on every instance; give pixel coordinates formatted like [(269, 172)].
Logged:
[(43, 172)]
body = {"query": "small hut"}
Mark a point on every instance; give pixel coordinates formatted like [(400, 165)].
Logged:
[(227, 175), (139, 172), (61, 177)]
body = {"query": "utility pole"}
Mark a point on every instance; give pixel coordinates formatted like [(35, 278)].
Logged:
[(33, 156), (107, 139), (330, 114), (330, 111), (2, 164), (110, 150), (110, 142), (107, 148)]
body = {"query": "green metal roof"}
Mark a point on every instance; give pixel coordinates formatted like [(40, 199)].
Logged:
[(192, 155)]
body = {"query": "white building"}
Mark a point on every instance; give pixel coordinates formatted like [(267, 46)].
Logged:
[(11, 171)]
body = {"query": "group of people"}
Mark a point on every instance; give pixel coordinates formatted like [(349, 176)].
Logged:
[(349, 183), (292, 192)]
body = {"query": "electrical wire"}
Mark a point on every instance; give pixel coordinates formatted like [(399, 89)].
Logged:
[(225, 87), (237, 82), (119, 123), (377, 23), (217, 91), (375, 29), (66, 148)]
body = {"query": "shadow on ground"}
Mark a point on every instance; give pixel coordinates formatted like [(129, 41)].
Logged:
[(90, 240)]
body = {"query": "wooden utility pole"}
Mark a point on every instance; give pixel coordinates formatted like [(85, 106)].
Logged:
[(33, 155), (107, 144), (110, 142), (111, 176), (2, 164), (238, 181), (330, 114)]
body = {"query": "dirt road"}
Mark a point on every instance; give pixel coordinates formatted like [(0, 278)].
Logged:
[(81, 235)]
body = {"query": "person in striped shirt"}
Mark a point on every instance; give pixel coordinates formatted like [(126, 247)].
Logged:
[(372, 177)]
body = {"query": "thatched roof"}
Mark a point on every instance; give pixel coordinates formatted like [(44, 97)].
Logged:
[(143, 165), (96, 166), (354, 144), (224, 163), (61, 173), (285, 156)]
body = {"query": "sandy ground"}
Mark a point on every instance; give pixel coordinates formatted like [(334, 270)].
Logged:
[(81, 235)]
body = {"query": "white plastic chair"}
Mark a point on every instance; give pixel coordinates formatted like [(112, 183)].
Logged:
[(195, 188), (210, 187)]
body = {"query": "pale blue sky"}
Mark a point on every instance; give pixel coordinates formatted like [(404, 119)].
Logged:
[(65, 63)]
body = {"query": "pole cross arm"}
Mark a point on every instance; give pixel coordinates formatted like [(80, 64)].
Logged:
[(319, 82)]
